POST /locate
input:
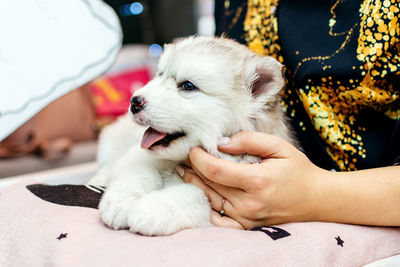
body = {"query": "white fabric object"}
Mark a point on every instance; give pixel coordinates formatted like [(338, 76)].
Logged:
[(393, 261), (48, 48)]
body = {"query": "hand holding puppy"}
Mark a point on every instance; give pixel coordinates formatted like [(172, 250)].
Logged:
[(279, 189), (287, 187)]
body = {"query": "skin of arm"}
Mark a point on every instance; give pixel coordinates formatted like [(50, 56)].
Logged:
[(287, 187)]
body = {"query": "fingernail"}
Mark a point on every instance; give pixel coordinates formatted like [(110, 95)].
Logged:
[(180, 170), (223, 141)]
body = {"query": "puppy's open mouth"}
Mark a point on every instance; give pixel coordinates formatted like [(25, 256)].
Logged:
[(152, 138)]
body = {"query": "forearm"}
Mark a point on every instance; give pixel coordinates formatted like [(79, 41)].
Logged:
[(368, 197)]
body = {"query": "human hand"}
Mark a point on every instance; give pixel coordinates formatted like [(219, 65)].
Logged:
[(282, 188)]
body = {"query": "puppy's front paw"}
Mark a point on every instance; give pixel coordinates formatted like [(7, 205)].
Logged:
[(150, 217), (162, 213), (114, 210)]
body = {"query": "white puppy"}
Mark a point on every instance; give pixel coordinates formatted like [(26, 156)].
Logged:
[(205, 88)]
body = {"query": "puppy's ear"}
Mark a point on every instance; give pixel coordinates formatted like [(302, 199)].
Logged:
[(263, 77)]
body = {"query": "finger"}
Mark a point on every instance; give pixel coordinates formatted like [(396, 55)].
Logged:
[(232, 218), (258, 144), (232, 222), (216, 199), (222, 190), (224, 221), (222, 171), (192, 178), (227, 192)]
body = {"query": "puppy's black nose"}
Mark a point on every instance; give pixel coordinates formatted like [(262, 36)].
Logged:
[(137, 104)]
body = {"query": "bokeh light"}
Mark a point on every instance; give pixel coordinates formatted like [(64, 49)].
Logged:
[(135, 8), (155, 50)]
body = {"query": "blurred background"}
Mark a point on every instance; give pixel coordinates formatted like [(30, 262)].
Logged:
[(160, 21), (65, 132)]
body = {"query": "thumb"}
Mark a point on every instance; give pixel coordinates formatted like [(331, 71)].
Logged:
[(257, 144)]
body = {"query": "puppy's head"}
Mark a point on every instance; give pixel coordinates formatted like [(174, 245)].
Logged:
[(205, 88)]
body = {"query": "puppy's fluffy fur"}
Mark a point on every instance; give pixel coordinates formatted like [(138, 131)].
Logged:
[(235, 90)]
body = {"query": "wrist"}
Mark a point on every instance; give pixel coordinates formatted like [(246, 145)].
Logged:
[(323, 195), (368, 197)]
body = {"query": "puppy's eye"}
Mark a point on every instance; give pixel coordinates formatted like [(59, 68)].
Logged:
[(188, 86)]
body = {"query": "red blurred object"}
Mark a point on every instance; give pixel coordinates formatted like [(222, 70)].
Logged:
[(111, 93)]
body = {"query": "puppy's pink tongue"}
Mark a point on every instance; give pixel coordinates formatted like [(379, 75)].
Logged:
[(151, 136)]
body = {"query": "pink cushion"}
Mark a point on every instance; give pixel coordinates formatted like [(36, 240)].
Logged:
[(34, 232)]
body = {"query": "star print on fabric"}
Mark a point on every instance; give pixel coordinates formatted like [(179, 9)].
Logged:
[(339, 241), (61, 236)]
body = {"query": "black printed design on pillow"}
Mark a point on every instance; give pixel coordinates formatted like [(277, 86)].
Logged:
[(274, 232), (61, 236), (339, 241), (68, 195)]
